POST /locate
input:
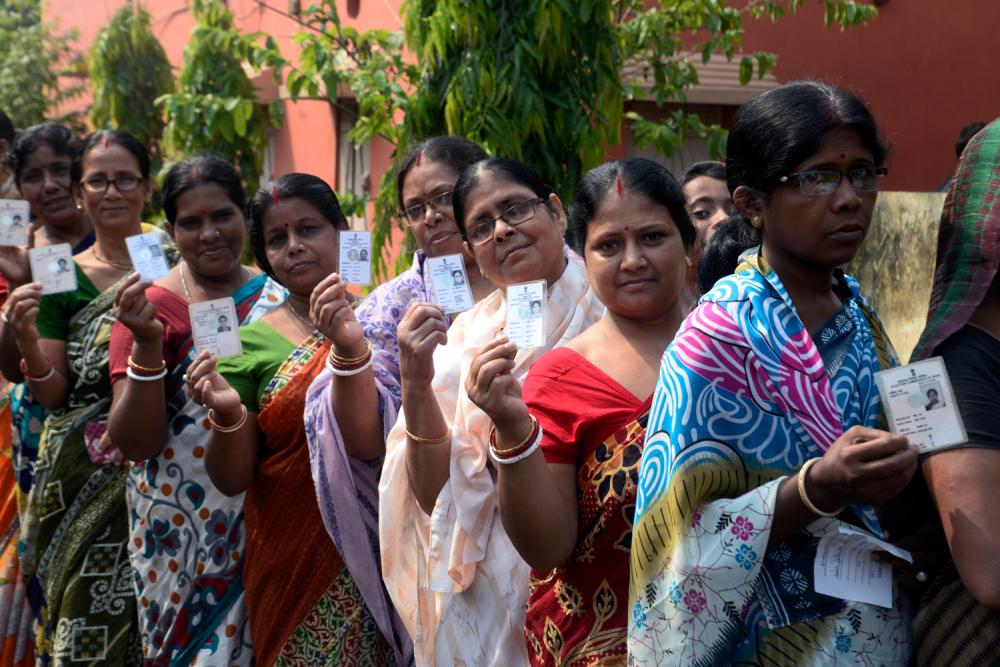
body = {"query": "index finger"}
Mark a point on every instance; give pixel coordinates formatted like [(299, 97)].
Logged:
[(128, 282), (325, 284)]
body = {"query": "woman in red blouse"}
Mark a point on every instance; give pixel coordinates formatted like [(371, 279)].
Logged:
[(569, 450)]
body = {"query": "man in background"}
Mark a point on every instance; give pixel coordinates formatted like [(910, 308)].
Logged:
[(964, 137)]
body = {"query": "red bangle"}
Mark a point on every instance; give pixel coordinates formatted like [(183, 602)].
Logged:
[(514, 451), (48, 374)]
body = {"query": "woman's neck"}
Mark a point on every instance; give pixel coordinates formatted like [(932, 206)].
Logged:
[(72, 233), (213, 287), (112, 244), (478, 282), (649, 337), (987, 314), (810, 288)]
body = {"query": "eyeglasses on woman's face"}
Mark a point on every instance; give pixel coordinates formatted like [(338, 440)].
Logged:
[(863, 179), (99, 184), (416, 215), (513, 216)]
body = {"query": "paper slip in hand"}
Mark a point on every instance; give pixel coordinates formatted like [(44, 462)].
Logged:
[(216, 327), (526, 314), (147, 256), (15, 216), (52, 266), (844, 567), (451, 284), (920, 404), (355, 258)]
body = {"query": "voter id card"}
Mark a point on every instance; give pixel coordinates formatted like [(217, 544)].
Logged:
[(147, 256), (216, 327), (451, 283), (920, 404), (52, 266), (526, 314), (356, 258), (15, 216)]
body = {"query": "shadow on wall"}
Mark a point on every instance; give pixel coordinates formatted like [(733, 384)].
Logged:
[(895, 265)]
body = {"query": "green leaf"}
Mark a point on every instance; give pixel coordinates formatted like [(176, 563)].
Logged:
[(746, 70)]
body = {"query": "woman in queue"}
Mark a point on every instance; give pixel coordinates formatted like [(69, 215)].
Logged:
[(567, 503), (765, 424), (304, 604), (464, 601), (349, 414), (185, 537), (709, 205), (41, 163), (76, 523), (959, 619)]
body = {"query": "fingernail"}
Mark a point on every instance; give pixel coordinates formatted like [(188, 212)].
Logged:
[(509, 345)]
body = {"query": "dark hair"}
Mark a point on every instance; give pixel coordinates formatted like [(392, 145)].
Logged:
[(965, 136), (6, 129), (779, 128), (710, 168), (722, 252), (637, 175), (118, 137), (201, 170), (458, 153), (305, 186), (60, 139), (507, 170)]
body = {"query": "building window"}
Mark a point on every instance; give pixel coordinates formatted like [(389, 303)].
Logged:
[(353, 161)]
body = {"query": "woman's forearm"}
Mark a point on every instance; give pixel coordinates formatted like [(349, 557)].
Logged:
[(356, 406), (140, 439), (52, 391), (427, 465), (537, 507), (231, 458), (10, 355)]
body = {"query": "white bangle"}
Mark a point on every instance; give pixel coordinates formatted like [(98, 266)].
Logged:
[(146, 378), (805, 498), (523, 455), (353, 371), (3, 316), (52, 371)]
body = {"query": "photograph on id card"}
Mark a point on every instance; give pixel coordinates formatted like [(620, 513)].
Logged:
[(355, 258), (53, 267), (920, 404), (147, 256), (216, 327), (15, 216), (526, 314), (451, 283)]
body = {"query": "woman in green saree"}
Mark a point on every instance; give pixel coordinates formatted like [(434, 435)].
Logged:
[(74, 529)]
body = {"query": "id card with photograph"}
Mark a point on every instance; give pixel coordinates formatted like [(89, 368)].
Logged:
[(216, 327), (15, 216), (147, 256), (356, 258), (451, 283), (920, 404), (52, 266), (526, 314)]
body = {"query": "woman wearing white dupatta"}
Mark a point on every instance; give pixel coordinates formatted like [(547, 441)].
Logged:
[(455, 578)]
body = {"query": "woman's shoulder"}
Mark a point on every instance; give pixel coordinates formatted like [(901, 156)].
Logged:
[(559, 362)]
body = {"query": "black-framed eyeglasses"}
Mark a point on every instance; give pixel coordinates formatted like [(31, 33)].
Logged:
[(513, 216), (122, 184), (864, 179), (416, 215)]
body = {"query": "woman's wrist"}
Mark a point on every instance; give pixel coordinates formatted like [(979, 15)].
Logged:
[(353, 351), (228, 416), (820, 492), (511, 432)]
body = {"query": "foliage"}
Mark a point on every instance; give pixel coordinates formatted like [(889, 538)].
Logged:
[(33, 55), (538, 80), (216, 106), (128, 71)]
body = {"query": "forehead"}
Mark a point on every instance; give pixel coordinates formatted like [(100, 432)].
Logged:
[(44, 155), (288, 212), (493, 194), (630, 209), (428, 175), (208, 195), (112, 159), (706, 186), (843, 145)]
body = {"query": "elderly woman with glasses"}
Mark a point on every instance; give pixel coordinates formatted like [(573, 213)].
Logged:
[(766, 432)]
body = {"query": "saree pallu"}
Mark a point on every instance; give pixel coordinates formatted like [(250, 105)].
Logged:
[(305, 608), (578, 614), (17, 647), (743, 400), (75, 528), (187, 539)]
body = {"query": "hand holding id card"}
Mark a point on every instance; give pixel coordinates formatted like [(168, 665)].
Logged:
[(147, 256), (526, 314), (355, 258), (920, 404), (216, 327), (52, 266), (15, 215), (451, 284)]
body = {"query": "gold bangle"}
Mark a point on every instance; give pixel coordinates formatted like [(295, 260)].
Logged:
[(427, 441), (527, 439), (805, 499), (228, 429), (343, 361), (163, 364)]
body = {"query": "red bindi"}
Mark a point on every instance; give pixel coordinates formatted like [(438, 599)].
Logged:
[(842, 156), (619, 178), (626, 229), (203, 212), (106, 142), (286, 225)]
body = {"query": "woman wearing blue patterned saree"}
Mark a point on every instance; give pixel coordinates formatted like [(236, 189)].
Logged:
[(766, 423)]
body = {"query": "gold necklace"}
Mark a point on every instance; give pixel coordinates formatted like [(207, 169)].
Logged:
[(116, 265), (288, 303)]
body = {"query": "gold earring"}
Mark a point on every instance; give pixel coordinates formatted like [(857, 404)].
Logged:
[(588, 280), (756, 219), (688, 261)]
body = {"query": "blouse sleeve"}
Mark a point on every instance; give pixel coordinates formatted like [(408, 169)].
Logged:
[(54, 313), (557, 407)]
